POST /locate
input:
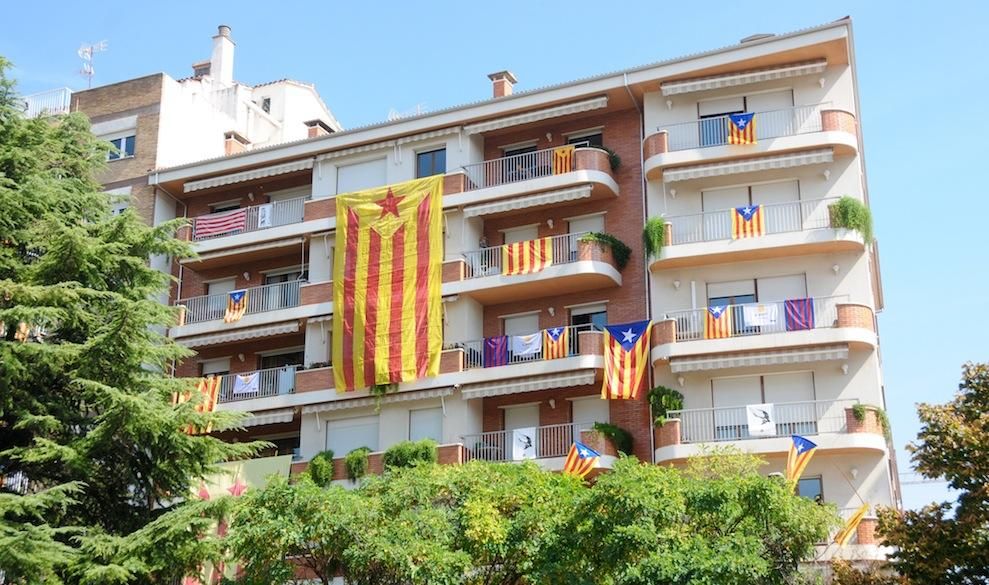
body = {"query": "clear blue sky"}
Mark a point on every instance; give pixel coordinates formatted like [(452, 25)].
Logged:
[(923, 73)]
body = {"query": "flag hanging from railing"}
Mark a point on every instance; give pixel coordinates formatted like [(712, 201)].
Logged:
[(208, 390), (563, 159), (801, 450), (216, 224), (236, 306), (741, 128), (527, 346), (495, 351), (556, 343), (388, 322), (580, 460), (717, 322), (799, 314), (747, 222), (626, 358), (247, 383), (851, 526), (526, 257)]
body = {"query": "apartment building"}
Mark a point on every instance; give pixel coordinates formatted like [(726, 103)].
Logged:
[(650, 141)]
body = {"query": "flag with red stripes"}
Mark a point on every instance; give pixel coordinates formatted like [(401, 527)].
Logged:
[(747, 222), (556, 343), (626, 358), (526, 257), (216, 224), (580, 460), (717, 322), (741, 128)]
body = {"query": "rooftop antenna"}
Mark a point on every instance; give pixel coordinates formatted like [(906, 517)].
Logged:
[(86, 53), (418, 110)]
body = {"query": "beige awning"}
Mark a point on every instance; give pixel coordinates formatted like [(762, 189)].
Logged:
[(286, 243), (749, 165), (537, 115), (370, 400), (269, 417), (269, 171), (549, 198), (528, 384), (241, 334), (764, 358), (744, 78)]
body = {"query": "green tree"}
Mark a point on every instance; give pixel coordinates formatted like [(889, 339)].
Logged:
[(86, 401), (947, 542)]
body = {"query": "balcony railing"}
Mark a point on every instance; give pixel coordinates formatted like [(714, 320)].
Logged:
[(550, 441), (708, 425), (769, 124), (269, 297), (48, 103), (509, 169), (270, 382), (792, 216), (474, 351), (760, 318), (488, 261), (248, 219)]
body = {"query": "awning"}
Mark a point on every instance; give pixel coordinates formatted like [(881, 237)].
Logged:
[(749, 165), (271, 171), (320, 319), (370, 400), (572, 194), (528, 384), (286, 243), (241, 334), (744, 78), (537, 115), (269, 417), (766, 358)]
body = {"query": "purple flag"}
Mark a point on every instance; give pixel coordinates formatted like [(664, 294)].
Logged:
[(799, 314), (495, 351)]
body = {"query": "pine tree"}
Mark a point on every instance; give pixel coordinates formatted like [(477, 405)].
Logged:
[(85, 402)]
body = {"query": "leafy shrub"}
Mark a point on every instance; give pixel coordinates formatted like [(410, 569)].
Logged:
[(356, 462), (614, 160), (852, 214), (619, 437), (663, 400), (859, 410), (408, 453), (321, 468), (654, 236), (619, 250)]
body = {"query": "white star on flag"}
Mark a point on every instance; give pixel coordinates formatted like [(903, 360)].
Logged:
[(556, 331), (628, 336)]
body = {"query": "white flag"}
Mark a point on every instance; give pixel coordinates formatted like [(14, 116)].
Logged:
[(761, 419), (264, 215), (527, 344), (524, 443), (760, 315), (247, 384)]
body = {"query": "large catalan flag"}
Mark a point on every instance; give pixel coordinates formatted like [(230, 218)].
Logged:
[(801, 450), (387, 322), (747, 222), (851, 526), (236, 306), (741, 128), (626, 359), (580, 460), (717, 322), (208, 390), (563, 159), (526, 257), (556, 343)]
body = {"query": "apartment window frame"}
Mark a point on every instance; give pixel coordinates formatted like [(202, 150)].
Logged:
[(581, 137), (431, 153), (588, 310), (126, 146), (266, 105), (819, 498), (224, 206)]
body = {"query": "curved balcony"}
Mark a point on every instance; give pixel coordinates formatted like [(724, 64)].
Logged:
[(777, 131), (792, 228)]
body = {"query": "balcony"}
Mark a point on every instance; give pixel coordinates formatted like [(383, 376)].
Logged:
[(509, 184), (48, 103), (779, 332), (576, 266), (792, 228), (817, 126), (829, 423), (474, 350), (551, 444), (260, 299), (248, 219), (270, 382)]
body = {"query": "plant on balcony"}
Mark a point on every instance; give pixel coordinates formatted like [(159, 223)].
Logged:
[(653, 236), (619, 437), (614, 160), (619, 250), (408, 453), (356, 463), (316, 365), (662, 400), (850, 213), (320, 468), (378, 391), (859, 410)]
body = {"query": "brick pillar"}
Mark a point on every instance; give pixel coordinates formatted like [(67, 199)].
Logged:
[(866, 531), (454, 183), (837, 120), (598, 442), (502, 83), (869, 423), (317, 128)]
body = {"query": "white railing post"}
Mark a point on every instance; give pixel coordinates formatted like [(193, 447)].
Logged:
[(706, 425), (769, 124), (263, 298)]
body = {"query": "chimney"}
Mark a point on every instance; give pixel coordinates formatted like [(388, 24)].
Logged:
[(317, 128), (234, 143), (502, 82), (221, 61)]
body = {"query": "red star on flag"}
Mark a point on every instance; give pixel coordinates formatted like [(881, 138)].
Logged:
[(389, 204), (237, 488), (203, 492)]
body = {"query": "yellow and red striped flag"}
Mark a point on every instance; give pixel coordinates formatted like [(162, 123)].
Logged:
[(563, 159), (717, 322), (801, 450), (209, 396), (741, 128), (236, 306), (747, 222), (580, 460), (526, 257), (387, 319), (851, 526), (556, 343), (626, 359)]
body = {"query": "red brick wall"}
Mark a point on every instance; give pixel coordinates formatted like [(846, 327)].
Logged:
[(193, 281), (199, 204), (850, 315), (493, 416)]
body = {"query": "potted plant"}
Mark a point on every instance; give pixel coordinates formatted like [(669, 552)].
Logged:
[(662, 401), (850, 213), (654, 236), (605, 243)]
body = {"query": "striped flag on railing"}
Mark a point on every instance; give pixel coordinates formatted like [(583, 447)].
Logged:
[(526, 257), (220, 223), (236, 306), (741, 128), (747, 222), (556, 343), (563, 159), (717, 322)]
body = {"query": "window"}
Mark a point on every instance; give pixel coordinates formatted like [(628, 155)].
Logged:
[(430, 163), (283, 446), (521, 324), (290, 358), (731, 293), (587, 140), (519, 150), (266, 105), (277, 297), (525, 233), (426, 423), (124, 148), (594, 315), (343, 436), (811, 488), (224, 206)]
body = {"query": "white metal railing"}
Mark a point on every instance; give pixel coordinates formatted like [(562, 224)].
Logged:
[(474, 351), (268, 297), (256, 217), (270, 382), (705, 425), (550, 441), (509, 169), (792, 216), (758, 318), (49, 103), (488, 261), (769, 124)]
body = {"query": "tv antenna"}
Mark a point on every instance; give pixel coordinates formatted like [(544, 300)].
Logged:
[(86, 53)]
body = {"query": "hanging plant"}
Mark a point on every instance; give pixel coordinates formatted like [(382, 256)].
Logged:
[(378, 391), (619, 437), (654, 236), (619, 250), (859, 410)]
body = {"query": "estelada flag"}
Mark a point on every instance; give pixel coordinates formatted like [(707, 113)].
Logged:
[(851, 526), (209, 394), (236, 306), (741, 128), (526, 257), (387, 321), (556, 342), (747, 222), (563, 159), (801, 450), (580, 460), (717, 322), (626, 358)]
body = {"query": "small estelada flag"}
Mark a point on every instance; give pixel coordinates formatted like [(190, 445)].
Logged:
[(747, 222), (626, 359), (741, 128), (717, 322), (563, 159), (801, 450), (580, 460), (851, 526), (236, 306), (526, 257), (556, 341)]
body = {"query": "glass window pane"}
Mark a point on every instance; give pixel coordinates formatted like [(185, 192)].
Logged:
[(343, 436), (129, 144), (811, 488), (426, 423)]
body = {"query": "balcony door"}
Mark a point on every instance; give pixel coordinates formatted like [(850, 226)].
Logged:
[(730, 397), (713, 119), (280, 377), (717, 205), (776, 115), (779, 218), (217, 300), (517, 418), (794, 395), (277, 297), (284, 213)]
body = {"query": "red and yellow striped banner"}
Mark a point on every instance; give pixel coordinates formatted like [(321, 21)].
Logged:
[(851, 526), (563, 159), (526, 257), (387, 322), (209, 395), (717, 322)]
